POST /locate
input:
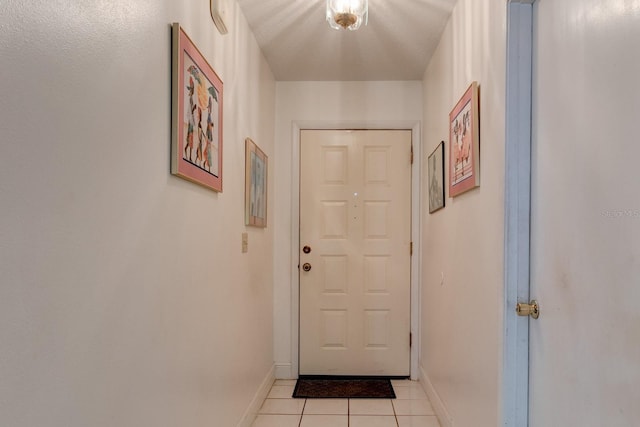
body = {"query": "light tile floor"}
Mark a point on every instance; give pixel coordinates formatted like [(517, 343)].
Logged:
[(411, 408)]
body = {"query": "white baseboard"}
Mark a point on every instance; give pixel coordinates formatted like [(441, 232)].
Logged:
[(438, 405), (283, 372), (252, 411)]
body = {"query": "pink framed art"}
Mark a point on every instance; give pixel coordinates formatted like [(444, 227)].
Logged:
[(464, 143), (196, 109)]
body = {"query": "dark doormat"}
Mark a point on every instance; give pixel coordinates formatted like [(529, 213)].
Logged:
[(314, 387)]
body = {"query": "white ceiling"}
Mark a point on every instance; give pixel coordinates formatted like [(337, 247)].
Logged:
[(299, 45)]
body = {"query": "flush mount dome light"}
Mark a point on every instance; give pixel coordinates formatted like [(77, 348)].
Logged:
[(347, 14)]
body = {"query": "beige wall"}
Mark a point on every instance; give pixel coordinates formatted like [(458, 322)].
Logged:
[(462, 245), (124, 297)]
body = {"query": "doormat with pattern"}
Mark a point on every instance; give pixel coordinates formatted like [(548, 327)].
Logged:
[(316, 387)]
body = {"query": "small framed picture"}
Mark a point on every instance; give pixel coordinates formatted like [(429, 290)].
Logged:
[(464, 143), (255, 190), (196, 110), (436, 178)]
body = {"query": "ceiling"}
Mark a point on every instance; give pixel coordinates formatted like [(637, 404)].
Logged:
[(396, 44)]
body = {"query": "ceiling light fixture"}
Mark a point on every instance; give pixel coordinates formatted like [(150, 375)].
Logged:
[(347, 14)]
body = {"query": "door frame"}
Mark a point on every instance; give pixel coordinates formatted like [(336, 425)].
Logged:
[(416, 225), (519, 93)]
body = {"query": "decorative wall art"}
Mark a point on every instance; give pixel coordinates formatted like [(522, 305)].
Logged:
[(196, 143), (464, 143), (436, 178), (255, 191)]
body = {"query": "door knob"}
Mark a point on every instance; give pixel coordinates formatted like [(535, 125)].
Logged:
[(532, 309), (306, 249), (306, 266)]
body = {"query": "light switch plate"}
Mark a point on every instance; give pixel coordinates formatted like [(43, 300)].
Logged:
[(220, 14), (245, 243)]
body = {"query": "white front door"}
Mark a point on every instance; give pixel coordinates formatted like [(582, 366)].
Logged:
[(585, 236), (355, 235)]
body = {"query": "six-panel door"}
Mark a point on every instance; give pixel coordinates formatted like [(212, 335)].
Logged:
[(355, 216)]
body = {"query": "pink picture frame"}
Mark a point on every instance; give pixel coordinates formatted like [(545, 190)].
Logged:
[(196, 109), (464, 143)]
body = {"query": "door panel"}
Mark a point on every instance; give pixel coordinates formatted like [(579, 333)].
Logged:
[(585, 239), (355, 215)]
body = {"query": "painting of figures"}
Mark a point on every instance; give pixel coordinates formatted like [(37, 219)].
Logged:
[(197, 115), (464, 143)]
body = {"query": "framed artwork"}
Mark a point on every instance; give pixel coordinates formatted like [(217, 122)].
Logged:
[(196, 110), (436, 178), (255, 190), (464, 143)]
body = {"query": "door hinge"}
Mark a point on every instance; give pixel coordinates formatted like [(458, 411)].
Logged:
[(410, 339), (411, 249), (411, 153)]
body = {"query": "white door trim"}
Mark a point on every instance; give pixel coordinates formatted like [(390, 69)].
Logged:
[(515, 374), (416, 226)]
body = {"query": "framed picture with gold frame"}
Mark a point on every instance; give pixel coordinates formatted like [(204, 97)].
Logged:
[(464, 143), (435, 168), (255, 190)]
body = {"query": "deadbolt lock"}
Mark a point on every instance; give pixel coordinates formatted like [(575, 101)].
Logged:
[(306, 249), (532, 309)]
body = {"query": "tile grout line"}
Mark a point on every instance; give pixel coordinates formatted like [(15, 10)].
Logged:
[(395, 416), (302, 413)]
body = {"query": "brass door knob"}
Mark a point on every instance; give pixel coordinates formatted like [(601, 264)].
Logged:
[(532, 309), (306, 266)]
